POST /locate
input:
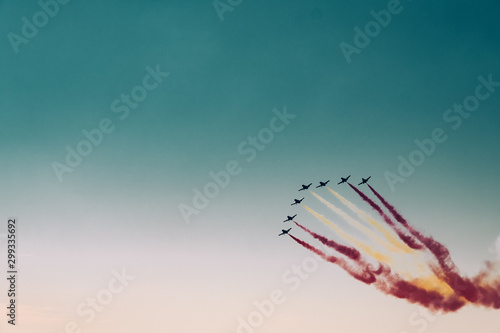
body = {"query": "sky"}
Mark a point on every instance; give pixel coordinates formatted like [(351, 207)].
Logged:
[(116, 115)]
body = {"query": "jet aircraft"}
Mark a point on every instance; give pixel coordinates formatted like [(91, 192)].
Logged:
[(343, 180), (322, 184), (290, 218), (364, 180), (305, 187), (297, 201), (284, 232)]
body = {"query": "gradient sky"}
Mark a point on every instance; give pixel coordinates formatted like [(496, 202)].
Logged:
[(120, 207)]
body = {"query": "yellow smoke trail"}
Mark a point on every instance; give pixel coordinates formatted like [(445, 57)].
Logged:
[(359, 226), (382, 228), (429, 281), (433, 283), (422, 276), (366, 249), (426, 279)]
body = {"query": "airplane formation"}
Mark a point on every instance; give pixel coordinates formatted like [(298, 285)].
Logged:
[(411, 265), (321, 184)]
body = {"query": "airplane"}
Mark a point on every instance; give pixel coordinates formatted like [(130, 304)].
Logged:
[(297, 201), (305, 187), (284, 232), (290, 218), (343, 180), (321, 184), (364, 181)]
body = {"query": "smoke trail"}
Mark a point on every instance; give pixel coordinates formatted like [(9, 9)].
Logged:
[(461, 285), (410, 241), (432, 300), (366, 249), (391, 283), (440, 252), (448, 273), (382, 228), (488, 285), (354, 223), (365, 277), (428, 290), (348, 251), (310, 247)]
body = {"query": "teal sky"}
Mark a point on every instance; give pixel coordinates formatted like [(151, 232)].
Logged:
[(120, 206)]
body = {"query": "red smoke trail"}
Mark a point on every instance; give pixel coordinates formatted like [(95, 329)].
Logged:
[(392, 284), (489, 286), (440, 252), (408, 240), (476, 290), (366, 276), (309, 247), (432, 300), (348, 251)]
